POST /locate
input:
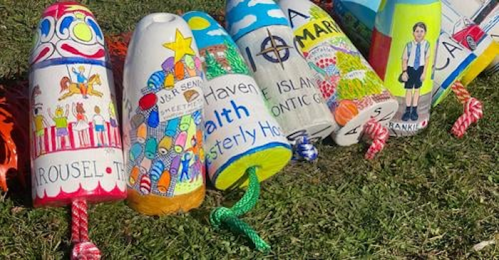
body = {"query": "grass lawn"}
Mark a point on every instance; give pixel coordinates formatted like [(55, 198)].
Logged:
[(431, 196)]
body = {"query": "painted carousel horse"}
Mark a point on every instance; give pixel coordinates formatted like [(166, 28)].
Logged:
[(72, 88)]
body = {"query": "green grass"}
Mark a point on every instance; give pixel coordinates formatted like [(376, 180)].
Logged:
[(431, 196)]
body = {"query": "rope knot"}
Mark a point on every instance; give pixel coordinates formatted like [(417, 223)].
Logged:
[(85, 251), (379, 135), (83, 248), (229, 217), (219, 215), (473, 111), (305, 150)]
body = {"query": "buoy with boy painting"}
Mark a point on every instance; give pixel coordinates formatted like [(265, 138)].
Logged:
[(403, 54)]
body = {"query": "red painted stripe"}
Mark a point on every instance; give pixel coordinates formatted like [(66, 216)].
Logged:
[(91, 134), (71, 135), (99, 54), (34, 146), (117, 137), (379, 52), (46, 139), (63, 143), (41, 55), (53, 139), (109, 129)]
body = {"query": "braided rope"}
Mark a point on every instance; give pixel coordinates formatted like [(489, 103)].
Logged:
[(379, 135), (461, 92), (229, 217), (473, 110), (83, 249), (304, 150)]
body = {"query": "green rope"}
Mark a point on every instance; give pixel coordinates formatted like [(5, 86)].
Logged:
[(229, 217)]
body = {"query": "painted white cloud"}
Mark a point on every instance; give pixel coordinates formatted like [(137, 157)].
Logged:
[(262, 2), (232, 4), (243, 23), (276, 13), (217, 32)]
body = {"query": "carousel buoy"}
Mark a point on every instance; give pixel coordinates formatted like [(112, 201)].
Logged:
[(76, 148)]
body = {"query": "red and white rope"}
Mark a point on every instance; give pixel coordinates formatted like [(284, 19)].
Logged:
[(461, 92), (473, 110), (83, 248), (379, 134)]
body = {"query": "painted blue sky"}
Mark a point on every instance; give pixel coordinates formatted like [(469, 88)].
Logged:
[(207, 32), (244, 16)]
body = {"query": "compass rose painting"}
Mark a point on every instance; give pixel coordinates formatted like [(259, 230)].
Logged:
[(267, 43), (275, 49)]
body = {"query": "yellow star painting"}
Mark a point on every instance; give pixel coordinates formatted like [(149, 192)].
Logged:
[(181, 46)]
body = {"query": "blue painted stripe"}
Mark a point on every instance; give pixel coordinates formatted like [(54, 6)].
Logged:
[(96, 28), (66, 22), (69, 61), (436, 96), (453, 76), (45, 27), (247, 153)]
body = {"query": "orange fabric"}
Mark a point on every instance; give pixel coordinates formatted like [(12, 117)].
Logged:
[(14, 126)]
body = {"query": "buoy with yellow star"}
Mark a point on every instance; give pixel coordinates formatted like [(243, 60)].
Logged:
[(266, 41), (162, 85)]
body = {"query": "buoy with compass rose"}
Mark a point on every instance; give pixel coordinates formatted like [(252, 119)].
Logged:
[(275, 49)]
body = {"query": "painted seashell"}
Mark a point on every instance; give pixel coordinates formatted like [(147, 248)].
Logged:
[(134, 175), (185, 122), (145, 185), (157, 170), (164, 182), (345, 112), (180, 142), (135, 151), (175, 165), (148, 101), (151, 146), (153, 120), (137, 120), (179, 71), (172, 126), (165, 145), (142, 133)]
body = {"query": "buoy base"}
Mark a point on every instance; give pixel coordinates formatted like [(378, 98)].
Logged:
[(155, 205), (351, 133), (270, 161)]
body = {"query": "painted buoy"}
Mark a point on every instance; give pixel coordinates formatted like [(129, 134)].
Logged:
[(162, 44), (402, 53)]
